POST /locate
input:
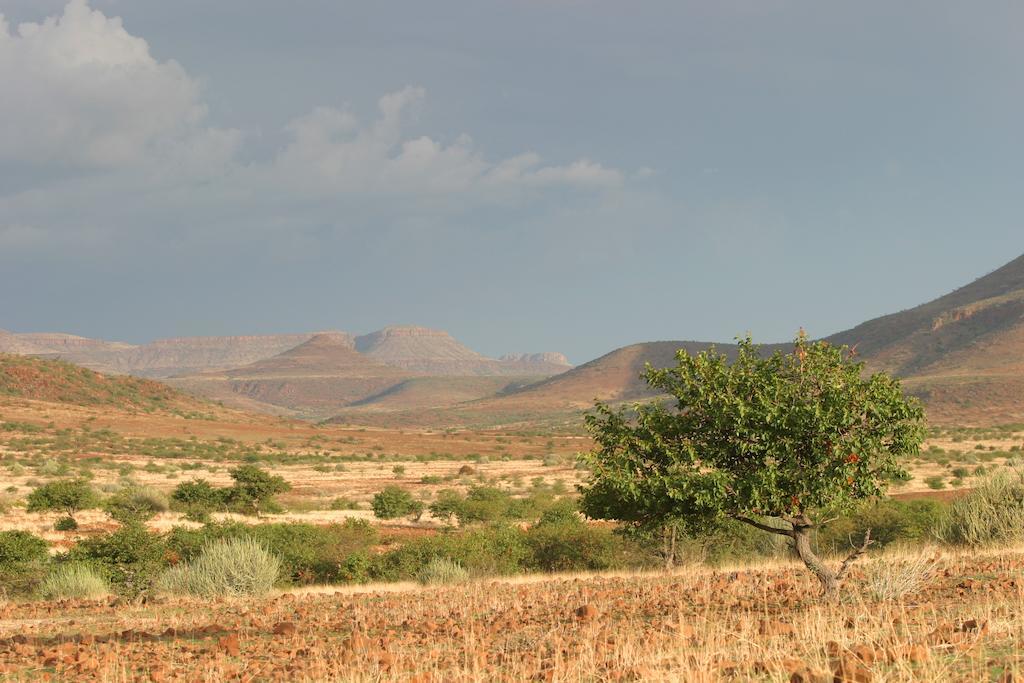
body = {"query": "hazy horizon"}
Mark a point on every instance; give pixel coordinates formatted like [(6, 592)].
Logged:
[(568, 175)]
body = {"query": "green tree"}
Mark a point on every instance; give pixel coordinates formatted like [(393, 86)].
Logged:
[(198, 498), (65, 495), (135, 504), (254, 489), (780, 443), (394, 501)]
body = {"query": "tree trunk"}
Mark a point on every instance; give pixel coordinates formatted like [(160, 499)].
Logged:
[(802, 543)]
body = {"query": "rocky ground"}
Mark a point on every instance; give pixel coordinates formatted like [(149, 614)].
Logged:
[(960, 618)]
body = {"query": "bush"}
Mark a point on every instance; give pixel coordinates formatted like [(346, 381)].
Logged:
[(563, 511), (483, 551), (67, 495), (891, 521), (136, 504), (65, 524), (442, 571), (77, 581), (573, 546), (129, 558), (20, 547), (393, 502), (197, 499), (308, 553), (992, 513), (225, 568), (343, 503), (254, 490)]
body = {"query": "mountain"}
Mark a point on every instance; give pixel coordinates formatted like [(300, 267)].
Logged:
[(317, 377), (92, 353), (434, 352), (962, 353), (170, 357)]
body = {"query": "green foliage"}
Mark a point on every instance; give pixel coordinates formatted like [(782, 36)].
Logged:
[(573, 546), (447, 504), (21, 547), (254, 489), (495, 550), (74, 581), (65, 524), (992, 513), (781, 436), (308, 553), (935, 482), (198, 498), (891, 521), (130, 558), (136, 504), (342, 503), (442, 571), (393, 502), (66, 495), (563, 512)]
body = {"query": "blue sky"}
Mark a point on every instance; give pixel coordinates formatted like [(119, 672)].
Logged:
[(539, 175)]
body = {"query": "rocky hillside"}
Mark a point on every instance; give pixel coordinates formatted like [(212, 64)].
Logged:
[(963, 353), (41, 379)]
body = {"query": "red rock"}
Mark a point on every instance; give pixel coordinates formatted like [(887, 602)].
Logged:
[(284, 628)]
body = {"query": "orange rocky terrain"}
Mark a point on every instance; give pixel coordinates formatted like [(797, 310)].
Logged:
[(960, 621)]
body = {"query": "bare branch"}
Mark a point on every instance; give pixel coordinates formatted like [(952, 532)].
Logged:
[(764, 527), (852, 557)]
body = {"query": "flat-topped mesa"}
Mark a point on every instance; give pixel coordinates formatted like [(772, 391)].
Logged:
[(549, 357), (184, 355)]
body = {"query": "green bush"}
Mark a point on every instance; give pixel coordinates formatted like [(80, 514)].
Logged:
[(343, 503), (254, 490), (65, 524), (129, 558), (442, 571), (197, 499), (308, 553), (495, 550), (573, 546), (890, 521), (393, 502), (66, 495), (226, 568), (20, 547), (76, 581), (992, 513)]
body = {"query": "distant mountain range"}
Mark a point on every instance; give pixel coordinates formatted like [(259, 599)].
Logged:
[(962, 353), (310, 375)]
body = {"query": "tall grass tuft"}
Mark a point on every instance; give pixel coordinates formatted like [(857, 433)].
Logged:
[(441, 571), (228, 567), (993, 513), (894, 579), (73, 581)]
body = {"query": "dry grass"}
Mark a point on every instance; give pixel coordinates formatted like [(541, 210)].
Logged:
[(964, 623)]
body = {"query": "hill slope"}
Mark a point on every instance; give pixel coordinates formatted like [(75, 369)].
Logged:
[(962, 353), (40, 379)]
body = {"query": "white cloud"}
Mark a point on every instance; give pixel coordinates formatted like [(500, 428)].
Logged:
[(79, 90), (331, 151), (83, 94)]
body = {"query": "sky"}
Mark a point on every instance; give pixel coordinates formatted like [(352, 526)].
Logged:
[(530, 175)]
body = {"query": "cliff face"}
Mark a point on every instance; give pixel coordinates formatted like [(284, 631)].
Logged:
[(169, 357)]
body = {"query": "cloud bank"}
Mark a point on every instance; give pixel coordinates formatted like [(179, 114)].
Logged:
[(114, 140)]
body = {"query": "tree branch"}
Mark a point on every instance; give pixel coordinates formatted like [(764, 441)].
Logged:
[(763, 527), (857, 552)]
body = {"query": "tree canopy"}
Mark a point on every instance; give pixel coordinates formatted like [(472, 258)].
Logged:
[(779, 442)]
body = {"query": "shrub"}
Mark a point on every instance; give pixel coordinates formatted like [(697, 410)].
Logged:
[(992, 513), (483, 551), (254, 490), (935, 482), (225, 568), (129, 558), (572, 546), (343, 503), (19, 547), (308, 553), (561, 512), (393, 502), (447, 504), (136, 504), (73, 581), (197, 499), (891, 521), (894, 580), (65, 524), (67, 495), (442, 571)]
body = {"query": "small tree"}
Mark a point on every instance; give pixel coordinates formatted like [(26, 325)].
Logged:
[(779, 443), (136, 504), (393, 502), (66, 495), (198, 498), (254, 489)]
